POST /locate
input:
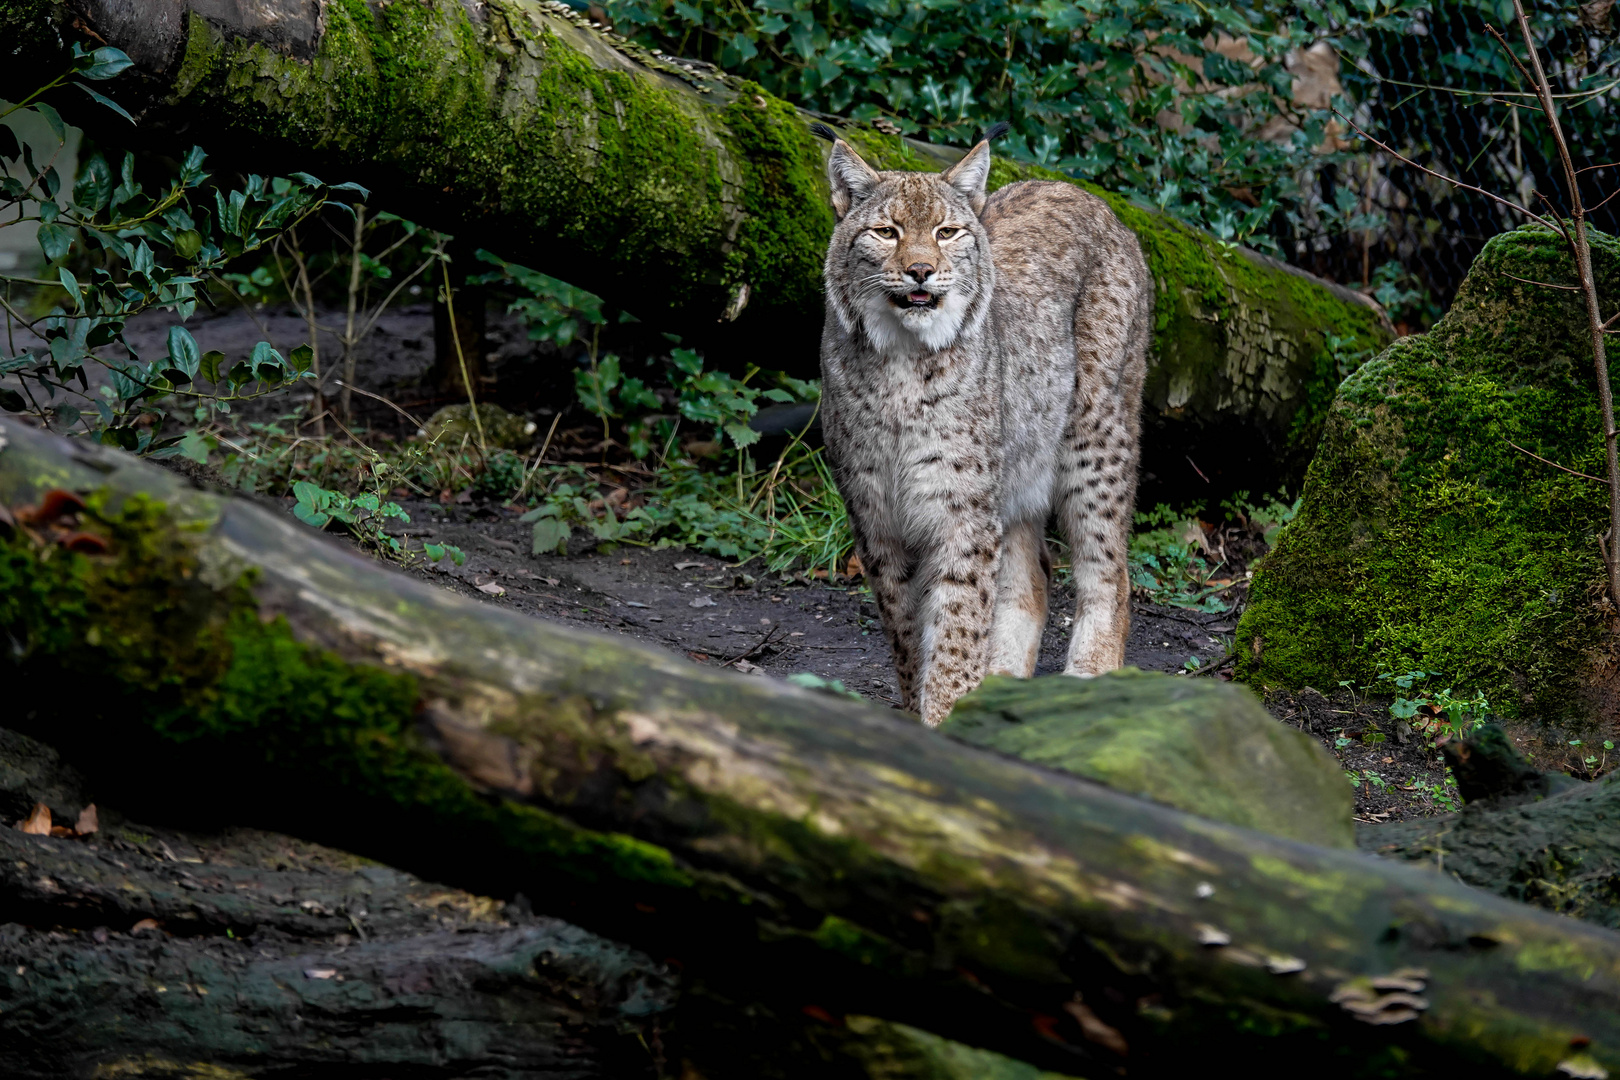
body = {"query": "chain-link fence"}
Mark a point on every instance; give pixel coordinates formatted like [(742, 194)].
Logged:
[(1446, 95)]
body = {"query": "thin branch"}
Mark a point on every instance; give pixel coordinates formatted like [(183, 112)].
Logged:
[(378, 397), (1554, 464), (1543, 284), (1398, 156)]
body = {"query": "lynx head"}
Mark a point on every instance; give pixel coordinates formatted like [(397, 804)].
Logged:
[(909, 263)]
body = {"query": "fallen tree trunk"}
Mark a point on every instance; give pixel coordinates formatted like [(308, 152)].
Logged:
[(687, 196), (784, 845)]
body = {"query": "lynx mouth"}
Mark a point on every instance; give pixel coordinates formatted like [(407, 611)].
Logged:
[(919, 299)]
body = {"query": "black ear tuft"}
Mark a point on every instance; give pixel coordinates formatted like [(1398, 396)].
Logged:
[(823, 131), (997, 130)]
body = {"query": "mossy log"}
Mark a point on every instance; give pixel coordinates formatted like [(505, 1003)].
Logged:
[(786, 846), (689, 197)]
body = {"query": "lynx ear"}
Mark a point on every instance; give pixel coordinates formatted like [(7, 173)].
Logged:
[(852, 179), (969, 175)]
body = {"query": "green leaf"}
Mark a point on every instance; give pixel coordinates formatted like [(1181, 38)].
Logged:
[(551, 535), (302, 358), (194, 447), (71, 284), (267, 364), (54, 241), (11, 401), (209, 366), (94, 185), (53, 119), (187, 242), (107, 101), (104, 63), (184, 356), (545, 510), (742, 435)]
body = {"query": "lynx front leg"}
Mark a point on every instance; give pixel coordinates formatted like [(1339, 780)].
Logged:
[(957, 613), (1022, 581), (889, 572)]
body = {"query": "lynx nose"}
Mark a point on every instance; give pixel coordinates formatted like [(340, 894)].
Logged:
[(920, 271)]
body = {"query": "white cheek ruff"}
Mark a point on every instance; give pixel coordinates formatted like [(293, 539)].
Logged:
[(901, 331)]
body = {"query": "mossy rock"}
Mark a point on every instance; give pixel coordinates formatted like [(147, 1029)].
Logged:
[(1425, 540), (453, 423), (1199, 745)]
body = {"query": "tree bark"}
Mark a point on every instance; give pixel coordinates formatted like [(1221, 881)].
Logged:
[(781, 845), (686, 196)]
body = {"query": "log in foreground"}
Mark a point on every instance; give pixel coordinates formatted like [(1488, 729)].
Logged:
[(690, 197), (782, 844)]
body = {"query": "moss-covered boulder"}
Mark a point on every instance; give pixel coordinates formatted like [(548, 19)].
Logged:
[(1199, 745), (1427, 538), (453, 423)]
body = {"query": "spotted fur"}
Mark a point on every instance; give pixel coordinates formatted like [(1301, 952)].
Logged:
[(982, 365)]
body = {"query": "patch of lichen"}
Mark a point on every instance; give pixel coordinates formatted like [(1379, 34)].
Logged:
[(1425, 540), (169, 659)]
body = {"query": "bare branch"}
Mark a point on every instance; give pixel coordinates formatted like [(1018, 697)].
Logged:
[(1398, 156), (1544, 284), (1554, 464)]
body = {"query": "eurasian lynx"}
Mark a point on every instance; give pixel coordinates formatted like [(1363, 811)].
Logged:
[(982, 365)]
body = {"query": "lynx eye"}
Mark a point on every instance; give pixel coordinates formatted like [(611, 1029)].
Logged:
[(947, 232), (887, 232)]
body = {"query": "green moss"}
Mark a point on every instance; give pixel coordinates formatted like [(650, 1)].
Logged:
[(1425, 539), (1195, 744)]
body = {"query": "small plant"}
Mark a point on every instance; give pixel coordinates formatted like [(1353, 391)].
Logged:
[(1437, 714), (365, 516)]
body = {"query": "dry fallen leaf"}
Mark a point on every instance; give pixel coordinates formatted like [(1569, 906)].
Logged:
[(553, 582), (702, 601), (319, 973), (144, 924), (854, 569), (38, 821), (489, 588), (748, 669), (88, 821)]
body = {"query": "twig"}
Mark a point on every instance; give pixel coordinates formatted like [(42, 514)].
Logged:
[(1554, 464), (378, 397), (1543, 284), (538, 458), (461, 358), (1398, 156), (758, 645)]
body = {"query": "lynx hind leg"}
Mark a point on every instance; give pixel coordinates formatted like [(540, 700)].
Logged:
[(1022, 583), (889, 575), (1101, 448), (1094, 512)]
